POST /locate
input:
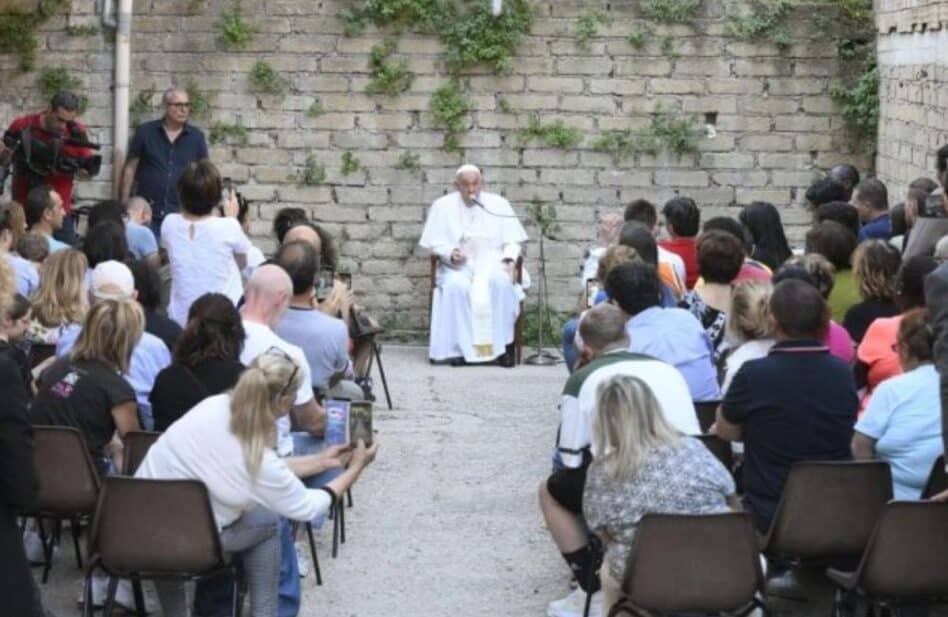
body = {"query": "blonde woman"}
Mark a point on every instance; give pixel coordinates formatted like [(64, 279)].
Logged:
[(748, 329), (61, 298), (641, 465), (227, 441), (86, 389)]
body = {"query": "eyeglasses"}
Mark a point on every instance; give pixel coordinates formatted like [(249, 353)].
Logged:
[(276, 351), (184, 105)]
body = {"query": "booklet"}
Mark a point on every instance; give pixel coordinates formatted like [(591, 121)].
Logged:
[(337, 422), (360, 422)]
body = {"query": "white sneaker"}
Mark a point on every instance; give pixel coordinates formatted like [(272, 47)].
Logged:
[(302, 561), (574, 604)]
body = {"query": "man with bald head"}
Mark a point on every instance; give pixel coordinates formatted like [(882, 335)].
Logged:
[(159, 152), (477, 237)]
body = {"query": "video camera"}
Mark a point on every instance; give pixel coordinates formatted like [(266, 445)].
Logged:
[(36, 159)]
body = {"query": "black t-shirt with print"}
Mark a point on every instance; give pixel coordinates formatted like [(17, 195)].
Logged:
[(81, 394)]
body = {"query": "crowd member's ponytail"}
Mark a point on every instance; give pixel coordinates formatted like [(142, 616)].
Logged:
[(253, 405)]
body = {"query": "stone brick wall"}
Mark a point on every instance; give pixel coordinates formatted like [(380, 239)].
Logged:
[(775, 124), (913, 93)]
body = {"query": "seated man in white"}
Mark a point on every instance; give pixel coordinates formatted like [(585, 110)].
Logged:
[(477, 237)]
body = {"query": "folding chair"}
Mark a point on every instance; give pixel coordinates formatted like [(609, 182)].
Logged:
[(68, 485), (155, 529), (937, 479), (906, 560), (683, 564)]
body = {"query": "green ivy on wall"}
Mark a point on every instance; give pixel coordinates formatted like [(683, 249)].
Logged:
[(18, 31)]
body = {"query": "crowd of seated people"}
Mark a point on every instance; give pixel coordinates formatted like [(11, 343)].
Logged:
[(829, 352), (230, 366)]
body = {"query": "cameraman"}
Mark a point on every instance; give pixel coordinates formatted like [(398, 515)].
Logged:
[(52, 135)]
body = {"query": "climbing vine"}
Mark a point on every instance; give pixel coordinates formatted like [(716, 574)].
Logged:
[(555, 134), (232, 133), (18, 31), (450, 107), (350, 164), (391, 78), (676, 136), (588, 25), (234, 31), (264, 79), (52, 80), (313, 173)]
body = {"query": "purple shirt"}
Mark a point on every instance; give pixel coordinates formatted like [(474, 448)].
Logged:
[(839, 342)]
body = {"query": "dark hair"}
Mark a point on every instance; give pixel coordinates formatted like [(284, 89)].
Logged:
[(214, 330), (6, 219), (842, 212), (643, 211), (845, 174), (873, 193), (916, 335), (107, 210), (799, 310), (199, 188), (897, 217), (832, 241), (683, 215), (793, 272), (941, 159), (639, 237), (911, 281), (918, 191), (147, 284), (243, 208), (65, 99), (720, 256), (762, 220), (105, 241), (327, 255), (634, 286), (19, 307), (301, 262), (38, 201), (286, 219), (826, 190), (731, 226)]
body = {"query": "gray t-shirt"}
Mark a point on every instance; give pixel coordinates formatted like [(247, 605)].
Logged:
[(323, 339)]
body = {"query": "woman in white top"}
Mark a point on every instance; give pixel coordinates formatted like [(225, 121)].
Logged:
[(227, 441), (206, 252)]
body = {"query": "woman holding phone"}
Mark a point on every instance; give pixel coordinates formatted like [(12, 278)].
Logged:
[(206, 252)]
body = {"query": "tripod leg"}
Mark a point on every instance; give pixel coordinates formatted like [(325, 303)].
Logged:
[(377, 352)]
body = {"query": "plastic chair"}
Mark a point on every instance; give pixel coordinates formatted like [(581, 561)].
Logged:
[(827, 512), (518, 326), (155, 529), (937, 479), (706, 414), (906, 560), (68, 485), (720, 449), (680, 564), (137, 444)]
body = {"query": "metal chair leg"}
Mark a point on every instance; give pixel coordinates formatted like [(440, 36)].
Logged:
[(377, 351), (139, 597), (342, 522), (47, 549), (335, 534), (87, 608), (74, 527), (349, 496), (312, 550), (235, 603), (110, 598)]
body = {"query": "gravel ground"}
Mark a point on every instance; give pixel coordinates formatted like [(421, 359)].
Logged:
[(445, 522)]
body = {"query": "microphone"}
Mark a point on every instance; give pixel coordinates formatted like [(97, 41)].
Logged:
[(478, 203)]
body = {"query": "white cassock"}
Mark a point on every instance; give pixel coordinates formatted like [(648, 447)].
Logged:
[(475, 307)]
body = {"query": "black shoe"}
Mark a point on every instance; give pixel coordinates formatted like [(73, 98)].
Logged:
[(458, 362), (509, 357)]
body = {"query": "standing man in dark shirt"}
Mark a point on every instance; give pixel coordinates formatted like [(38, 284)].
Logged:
[(797, 404), (159, 152), (59, 129)]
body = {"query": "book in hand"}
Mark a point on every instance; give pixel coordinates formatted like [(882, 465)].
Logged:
[(337, 422), (360, 422)]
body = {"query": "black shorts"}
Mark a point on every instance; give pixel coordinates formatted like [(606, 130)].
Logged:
[(566, 486)]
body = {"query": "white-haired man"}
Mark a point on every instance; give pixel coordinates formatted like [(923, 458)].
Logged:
[(477, 238)]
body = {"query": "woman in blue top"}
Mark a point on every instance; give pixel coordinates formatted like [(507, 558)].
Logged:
[(902, 424)]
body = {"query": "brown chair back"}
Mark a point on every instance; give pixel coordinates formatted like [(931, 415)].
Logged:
[(68, 479), (719, 448), (706, 414), (937, 479), (827, 511), (137, 444), (693, 564), (156, 527), (907, 557)]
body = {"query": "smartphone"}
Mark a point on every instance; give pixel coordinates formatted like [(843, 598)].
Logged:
[(337, 422), (360, 422), (323, 283), (592, 290), (227, 187), (345, 277)]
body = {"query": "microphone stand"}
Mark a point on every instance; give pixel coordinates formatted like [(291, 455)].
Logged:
[(542, 357)]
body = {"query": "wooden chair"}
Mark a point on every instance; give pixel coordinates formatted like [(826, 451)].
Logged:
[(518, 326)]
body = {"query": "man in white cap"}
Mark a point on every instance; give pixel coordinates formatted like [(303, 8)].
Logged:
[(477, 238), (112, 280)]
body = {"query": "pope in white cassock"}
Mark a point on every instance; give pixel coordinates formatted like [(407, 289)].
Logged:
[(477, 237)]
